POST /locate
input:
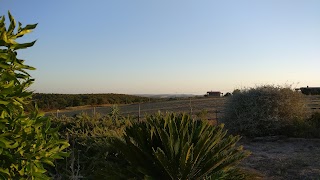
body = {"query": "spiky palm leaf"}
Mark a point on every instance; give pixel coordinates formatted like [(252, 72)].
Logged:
[(176, 147)]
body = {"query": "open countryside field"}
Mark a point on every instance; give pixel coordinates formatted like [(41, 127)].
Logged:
[(194, 105), (271, 158)]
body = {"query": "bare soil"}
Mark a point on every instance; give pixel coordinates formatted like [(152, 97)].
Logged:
[(283, 158)]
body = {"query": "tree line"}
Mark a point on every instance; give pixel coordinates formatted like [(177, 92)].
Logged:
[(61, 101)]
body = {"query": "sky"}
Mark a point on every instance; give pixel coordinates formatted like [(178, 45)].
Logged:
[(169, 47)]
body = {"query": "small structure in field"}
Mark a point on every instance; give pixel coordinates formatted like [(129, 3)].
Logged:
[(309, 90), (213, 94)]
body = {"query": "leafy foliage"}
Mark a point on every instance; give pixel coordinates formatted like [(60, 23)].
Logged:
[(306, 129), (91, 154), (264, 110), (176, 147), (61, 101), (314, 125), (27, 141)]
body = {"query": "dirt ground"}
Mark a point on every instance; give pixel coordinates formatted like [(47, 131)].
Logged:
[(283, 158)]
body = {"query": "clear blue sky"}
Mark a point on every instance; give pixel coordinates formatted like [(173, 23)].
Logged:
[(180, 46)]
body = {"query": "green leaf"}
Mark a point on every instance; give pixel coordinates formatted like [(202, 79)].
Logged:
[(2, 20), (30, 26), (10, 84), (12, 23), (4, 56), (4, 65), (47, 161), (4, 171), (13, 146), (22, 46), (19, 26), (4, 102), (25, 30), (2, 144), (4, 38)]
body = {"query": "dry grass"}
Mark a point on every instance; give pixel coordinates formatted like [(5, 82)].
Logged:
[(195, 105), (292, 158)]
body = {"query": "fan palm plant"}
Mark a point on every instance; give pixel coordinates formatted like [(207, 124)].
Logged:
[(176, 147)]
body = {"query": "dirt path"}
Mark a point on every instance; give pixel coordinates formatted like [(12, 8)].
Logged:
[(284, 158)]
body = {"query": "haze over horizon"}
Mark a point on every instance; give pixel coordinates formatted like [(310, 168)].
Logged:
[(169, 47)]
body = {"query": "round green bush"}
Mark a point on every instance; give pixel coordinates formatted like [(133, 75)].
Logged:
[(264, 111)]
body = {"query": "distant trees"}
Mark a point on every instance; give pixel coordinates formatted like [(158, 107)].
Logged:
[(61, 101)]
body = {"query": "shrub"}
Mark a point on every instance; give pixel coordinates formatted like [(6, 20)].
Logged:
[(264, 110), (90, 152), (176, 147), (314, 122), (306, 129), (27, 141)]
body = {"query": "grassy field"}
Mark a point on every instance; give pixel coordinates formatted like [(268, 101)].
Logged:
[(194, 105)]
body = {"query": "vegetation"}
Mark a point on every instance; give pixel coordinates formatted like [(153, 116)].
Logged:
[(314, 125), (265, 110), (210, 105), (92, 156), (236, 91), (27, 141), (161, 147), (177, 147), (308, 128), (167, 146), (61, 101), (90, 153)]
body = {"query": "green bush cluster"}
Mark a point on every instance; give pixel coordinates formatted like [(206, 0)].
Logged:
[(61, 101), (314, 125), (265, 110), (310, 128), (91, 154), (27, 142), (160, 147)]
